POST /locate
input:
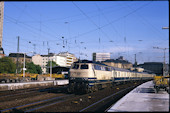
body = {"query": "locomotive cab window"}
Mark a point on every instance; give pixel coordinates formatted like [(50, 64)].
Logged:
[(84, 67), (75, 66)]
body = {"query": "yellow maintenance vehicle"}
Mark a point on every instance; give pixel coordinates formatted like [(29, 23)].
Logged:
[(161, 82)]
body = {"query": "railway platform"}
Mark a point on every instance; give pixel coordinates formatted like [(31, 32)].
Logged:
[(22, 85), (143, 98)]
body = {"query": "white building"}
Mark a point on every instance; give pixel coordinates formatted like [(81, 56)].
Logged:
[(101, 56), (70, 58), (62, 59)]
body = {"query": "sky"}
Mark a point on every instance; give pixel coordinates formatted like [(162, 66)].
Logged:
[(122, 28)]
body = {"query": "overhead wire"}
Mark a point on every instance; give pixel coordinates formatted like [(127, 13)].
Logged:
[(96, 26), (148, 23), (90, 20)]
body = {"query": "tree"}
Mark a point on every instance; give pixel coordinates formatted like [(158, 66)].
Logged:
[(49, 64), (32, 68), (53, 64), (7, 65), (39, 70)]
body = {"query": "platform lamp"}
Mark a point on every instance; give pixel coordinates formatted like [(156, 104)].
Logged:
[(24, 64)]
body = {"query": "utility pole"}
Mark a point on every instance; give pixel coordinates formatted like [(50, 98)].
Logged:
[(34, 48), (17, 56), (48, 56), (168, 29), (135, 61), (135, 66), (51, 68), (164, 64)]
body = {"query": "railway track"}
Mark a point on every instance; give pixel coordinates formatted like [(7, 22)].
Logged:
[(103, 104), (27, 93), (92, 102), (63, 102), (38, 104), (20, 91)]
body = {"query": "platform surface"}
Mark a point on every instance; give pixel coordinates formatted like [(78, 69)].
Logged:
[(141, 99), (22, 85)]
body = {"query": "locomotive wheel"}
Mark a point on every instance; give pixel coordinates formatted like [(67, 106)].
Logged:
[(86, 89), (95, 88), (70, 88)]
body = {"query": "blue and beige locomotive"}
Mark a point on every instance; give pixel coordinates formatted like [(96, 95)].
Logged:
[(88, 76)]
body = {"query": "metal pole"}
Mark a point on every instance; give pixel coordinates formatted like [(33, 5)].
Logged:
[(135, 67), (135, 61), (17, 56), (48, 60), (51, 68), (164, 64), (24, 67), (164, 54)]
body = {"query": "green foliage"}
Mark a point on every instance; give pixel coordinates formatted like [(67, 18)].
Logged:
[(49, 64), (7, 65), (39, 70), (32, 68), (53, 64)]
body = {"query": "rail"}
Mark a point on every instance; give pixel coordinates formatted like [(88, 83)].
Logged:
[(124, 91)]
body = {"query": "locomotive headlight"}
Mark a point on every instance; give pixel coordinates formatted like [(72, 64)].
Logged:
[(72, 78), (85, 78)]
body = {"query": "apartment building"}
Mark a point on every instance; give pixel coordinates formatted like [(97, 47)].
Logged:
[(101, 56), (13, 56), (64, 59), (119, 63), (70, 58)]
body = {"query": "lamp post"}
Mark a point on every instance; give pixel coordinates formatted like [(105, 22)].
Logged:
[(168, 48), (24, 64), (164, 58), (165, 27), (51, 68), (135, 59), (136, 64)]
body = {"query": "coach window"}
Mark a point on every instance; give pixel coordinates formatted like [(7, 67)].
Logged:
[(97, 67), (107, 68), (115, 74), (84, 67)]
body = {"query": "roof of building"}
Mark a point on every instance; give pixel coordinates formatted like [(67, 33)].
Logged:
[(65, 54), (118, 61), (49, 55), (153, 63), (19, 55)]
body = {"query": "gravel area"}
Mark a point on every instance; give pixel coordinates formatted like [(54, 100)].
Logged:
[(73, 104), (29, 97), (82, 101)]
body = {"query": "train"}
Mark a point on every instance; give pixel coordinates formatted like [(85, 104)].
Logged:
[(88, 76)]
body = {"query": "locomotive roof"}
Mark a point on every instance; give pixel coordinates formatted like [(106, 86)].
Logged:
[(115, 68), (88, 61), (121, 69)]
